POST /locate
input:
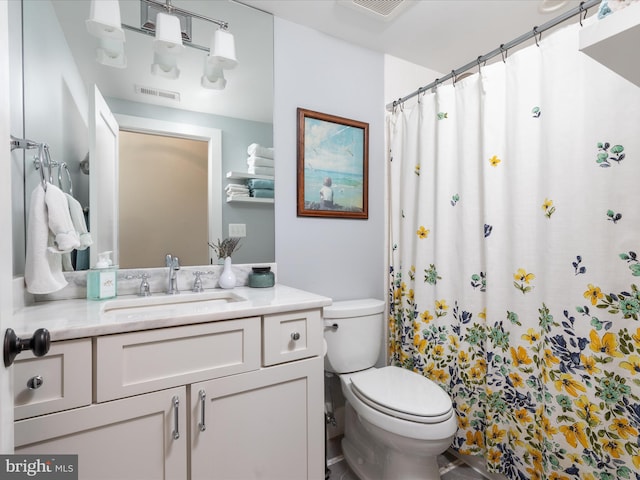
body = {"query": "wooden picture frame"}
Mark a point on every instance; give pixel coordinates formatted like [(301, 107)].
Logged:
[(333, 166)]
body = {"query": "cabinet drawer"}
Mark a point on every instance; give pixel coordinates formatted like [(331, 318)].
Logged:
[(291, 336), (64, 376), (139, 362)]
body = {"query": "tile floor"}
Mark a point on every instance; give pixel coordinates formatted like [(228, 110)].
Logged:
[(451, 467)]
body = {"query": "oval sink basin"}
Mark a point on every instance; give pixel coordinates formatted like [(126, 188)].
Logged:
[(137, 303)]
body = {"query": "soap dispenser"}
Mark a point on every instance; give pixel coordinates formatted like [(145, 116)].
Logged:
[(101, 280)]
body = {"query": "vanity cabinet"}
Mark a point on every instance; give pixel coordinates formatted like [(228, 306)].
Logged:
[(230, 399)]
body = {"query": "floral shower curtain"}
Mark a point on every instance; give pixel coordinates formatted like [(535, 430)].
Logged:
[(515, 257)]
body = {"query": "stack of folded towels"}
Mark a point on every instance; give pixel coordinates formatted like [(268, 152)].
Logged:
[(260, 161), (260, 188), (236, 190)]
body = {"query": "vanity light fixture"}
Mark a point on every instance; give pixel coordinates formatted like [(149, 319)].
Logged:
[(171, 27), (167, 46), (104, 24)]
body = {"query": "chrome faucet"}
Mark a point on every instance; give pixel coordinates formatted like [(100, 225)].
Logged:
[(174, 265)]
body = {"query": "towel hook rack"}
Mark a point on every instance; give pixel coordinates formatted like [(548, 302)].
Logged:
[(61, 166)]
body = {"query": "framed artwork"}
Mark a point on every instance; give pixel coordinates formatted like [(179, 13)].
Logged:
[(333, 161)]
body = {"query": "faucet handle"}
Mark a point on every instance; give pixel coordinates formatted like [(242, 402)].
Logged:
[(145, 289), (197, 283)]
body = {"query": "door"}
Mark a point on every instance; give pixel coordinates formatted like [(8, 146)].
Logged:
[(103, 179), (6, 250), (267, 424)]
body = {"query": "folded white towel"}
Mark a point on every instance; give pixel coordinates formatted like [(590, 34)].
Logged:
[(59, 219), (236, 187), (231, 196), (261, 170), (43, 268), (256, 161), (260, 151)]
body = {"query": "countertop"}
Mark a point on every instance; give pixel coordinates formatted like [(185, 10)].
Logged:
[(79, 318)]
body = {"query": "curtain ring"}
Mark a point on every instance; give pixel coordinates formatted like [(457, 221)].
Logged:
[(537, 35), (580, 13), (454, 77), (503, 52), (435, 85), (478, 61)]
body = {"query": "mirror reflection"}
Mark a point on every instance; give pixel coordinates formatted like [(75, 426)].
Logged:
[(60, 73)]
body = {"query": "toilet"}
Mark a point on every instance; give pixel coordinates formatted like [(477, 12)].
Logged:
[(396, 421)]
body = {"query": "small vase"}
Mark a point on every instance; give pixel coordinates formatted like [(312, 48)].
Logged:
[(227, 277)]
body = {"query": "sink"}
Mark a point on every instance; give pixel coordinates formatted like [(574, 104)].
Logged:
[(160, 300)]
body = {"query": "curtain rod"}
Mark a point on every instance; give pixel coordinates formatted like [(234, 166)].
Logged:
[(501, 50)]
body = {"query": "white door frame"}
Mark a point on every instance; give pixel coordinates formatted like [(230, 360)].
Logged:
[(6, 242)]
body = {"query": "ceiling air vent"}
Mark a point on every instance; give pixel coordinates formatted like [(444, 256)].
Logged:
[(381, 9), (156, 92)]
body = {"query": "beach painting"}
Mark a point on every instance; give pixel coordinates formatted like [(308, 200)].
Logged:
[(332, 166)]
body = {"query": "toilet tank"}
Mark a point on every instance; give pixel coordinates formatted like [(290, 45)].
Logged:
[(353, 331)]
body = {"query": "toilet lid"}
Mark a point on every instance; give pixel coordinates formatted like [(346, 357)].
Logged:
[(402, 393)]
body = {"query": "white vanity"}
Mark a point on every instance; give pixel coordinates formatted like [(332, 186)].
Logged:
[(223, 386)]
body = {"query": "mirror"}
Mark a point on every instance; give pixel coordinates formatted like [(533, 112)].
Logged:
[(60, 71)]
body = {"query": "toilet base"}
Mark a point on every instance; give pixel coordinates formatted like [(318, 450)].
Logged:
[(370, 459)]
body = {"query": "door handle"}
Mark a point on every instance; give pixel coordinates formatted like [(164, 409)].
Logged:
[(39, 344), (176, 417), (203, 400)]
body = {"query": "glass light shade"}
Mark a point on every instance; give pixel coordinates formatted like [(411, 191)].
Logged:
[(213, 77), (165, 65), (111, 53), (223, 49), (104, 20), (168, 35)]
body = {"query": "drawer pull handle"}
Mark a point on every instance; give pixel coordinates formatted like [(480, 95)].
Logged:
[(35, 382), (295, 336), (203, 397), (176, 431)]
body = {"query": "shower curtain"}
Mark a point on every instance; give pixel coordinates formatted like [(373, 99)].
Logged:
[(515, 257)]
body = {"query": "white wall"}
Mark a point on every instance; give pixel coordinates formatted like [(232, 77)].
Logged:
[(339, 258), (402, 78)]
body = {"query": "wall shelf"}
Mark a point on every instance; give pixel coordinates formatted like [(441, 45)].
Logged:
[(612, 42), (232, 175), (250, 200), (245, 176)]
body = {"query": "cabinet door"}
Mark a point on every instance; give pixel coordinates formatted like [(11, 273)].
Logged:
[(266, 424), (130, 439)]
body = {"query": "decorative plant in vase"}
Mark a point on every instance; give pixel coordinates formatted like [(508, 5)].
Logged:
[(224, 249)]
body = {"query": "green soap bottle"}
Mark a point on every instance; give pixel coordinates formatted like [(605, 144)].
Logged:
[(102, 280)]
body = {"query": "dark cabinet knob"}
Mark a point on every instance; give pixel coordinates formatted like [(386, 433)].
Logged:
[(39, 344)]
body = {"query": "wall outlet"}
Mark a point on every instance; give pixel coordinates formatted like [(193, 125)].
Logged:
[(237, 230)]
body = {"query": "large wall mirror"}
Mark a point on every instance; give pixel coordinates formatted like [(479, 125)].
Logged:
[(60, 73)]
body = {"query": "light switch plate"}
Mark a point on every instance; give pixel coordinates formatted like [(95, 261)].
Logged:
[(237, 230)]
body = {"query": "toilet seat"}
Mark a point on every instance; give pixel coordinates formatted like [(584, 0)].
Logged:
[(403, 394)]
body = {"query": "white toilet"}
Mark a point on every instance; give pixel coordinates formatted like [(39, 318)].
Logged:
[(396, 421)]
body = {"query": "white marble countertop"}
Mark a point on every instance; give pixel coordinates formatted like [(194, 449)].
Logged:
[(78, 318)]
